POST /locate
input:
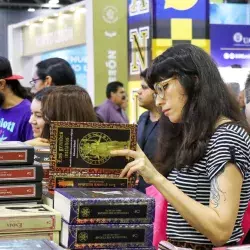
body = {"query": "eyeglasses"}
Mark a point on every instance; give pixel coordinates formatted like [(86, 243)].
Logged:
[(160, 88), (33, 81)]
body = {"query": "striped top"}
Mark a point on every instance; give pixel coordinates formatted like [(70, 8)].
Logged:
[(195, 181)]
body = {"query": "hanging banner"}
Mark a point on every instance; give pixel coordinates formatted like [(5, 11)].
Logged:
[(140, 32), (77, 58), (230, 45), (185, 21), (110, 44)]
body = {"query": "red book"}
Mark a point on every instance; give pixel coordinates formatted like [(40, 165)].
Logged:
[(15, 153)]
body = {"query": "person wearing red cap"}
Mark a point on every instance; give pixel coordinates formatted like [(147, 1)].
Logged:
[(14, 106)]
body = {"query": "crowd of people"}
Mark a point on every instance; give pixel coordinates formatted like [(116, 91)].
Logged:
[(193, 140)]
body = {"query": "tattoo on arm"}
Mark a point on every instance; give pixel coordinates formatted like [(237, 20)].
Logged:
[(216, 194)]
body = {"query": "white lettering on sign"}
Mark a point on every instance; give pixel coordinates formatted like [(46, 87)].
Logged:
[(55, 37), (111, 64)]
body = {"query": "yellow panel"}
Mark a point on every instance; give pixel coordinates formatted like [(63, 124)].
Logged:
[(134, 111), (181, 29), (159, 46), (202, 43)]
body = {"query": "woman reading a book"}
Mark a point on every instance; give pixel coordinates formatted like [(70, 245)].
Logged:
[(202, 167), (63, 103)]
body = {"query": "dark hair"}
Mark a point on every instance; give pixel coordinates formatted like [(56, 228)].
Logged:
[(143, 73), (18, 89), (43, 93), (58, 69), (113, 87), (13, 84), (247, 89), (185, 143), (78, 106)]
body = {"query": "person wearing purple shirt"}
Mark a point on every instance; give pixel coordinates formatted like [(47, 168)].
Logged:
[(14, 107), (111, 110)]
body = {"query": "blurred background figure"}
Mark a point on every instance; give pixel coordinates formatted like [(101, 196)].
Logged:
[(111, 110), (247, 99), (14, 106), (53, 71), (148, 125)]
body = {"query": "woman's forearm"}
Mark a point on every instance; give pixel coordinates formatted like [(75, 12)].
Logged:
[(203, 218)]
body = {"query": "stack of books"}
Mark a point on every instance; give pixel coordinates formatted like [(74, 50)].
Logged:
[(29, 245), (20, 178), (105, 218), (29, 221), (42, 156)]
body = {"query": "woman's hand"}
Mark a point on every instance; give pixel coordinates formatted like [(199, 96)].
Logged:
[(141, 164), (38, 142)]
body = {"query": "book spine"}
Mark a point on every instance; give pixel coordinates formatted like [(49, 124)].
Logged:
[(53, 236), (21, 174), (17, 156), (21, 191), (110, 212), (29, 224), (108, 236), (89, 178)]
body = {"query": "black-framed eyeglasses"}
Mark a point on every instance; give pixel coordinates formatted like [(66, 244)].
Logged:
[(33, 81), (160, 88)]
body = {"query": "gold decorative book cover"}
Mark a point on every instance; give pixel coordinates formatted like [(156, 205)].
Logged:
[(83, 150)]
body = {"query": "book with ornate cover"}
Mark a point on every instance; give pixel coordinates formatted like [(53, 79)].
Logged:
[(16, 152), (81, 149), (165, 245), (20, 191), (106, 236), (26, 244), (53, 236), (21, 173), (28, 218), (87, 206)]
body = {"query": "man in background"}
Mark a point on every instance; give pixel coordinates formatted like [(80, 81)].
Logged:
[(148, 125), (111, 110)]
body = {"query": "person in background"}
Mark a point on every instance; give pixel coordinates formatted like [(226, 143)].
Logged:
[(148, 125), (203, 158), (14, 106), (241, 101), (234, 88), (52, 72), (36, 119), (111, 110), (247, 99), (49, 105)]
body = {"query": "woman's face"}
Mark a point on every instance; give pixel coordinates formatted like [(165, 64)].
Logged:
[(37, 84), (36, 119), (171, 97)]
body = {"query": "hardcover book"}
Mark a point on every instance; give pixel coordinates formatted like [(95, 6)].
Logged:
[(42, 155), (20, 191), (21, 173), (106, 236), (83, 150), (81, 206), (29, 245), (16, 152), (28, 218), (53, 236)]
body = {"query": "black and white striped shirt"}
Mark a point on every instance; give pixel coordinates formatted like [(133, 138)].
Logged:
[(195, 181)]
